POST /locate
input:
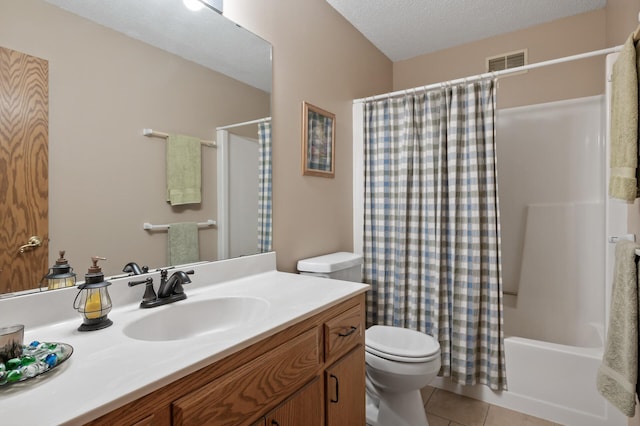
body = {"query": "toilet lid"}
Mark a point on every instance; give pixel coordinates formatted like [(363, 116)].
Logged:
[(400, 344)]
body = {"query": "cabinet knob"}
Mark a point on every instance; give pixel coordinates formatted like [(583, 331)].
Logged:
[(274, 423)]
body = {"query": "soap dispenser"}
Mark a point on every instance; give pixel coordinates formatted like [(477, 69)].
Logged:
[(93, 300), (60, 275)]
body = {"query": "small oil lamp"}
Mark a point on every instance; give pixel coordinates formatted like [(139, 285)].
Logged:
[(93, 300), (60, 275)]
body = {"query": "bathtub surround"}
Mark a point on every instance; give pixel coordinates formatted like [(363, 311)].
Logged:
[(551, 182), (618, 373), (431, 230)]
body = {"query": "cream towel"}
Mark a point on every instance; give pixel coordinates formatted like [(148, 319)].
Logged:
[(183, 246), (183, 170), (617, 375), (623, 182)]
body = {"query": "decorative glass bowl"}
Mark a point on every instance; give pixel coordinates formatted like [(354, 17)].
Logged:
[(37, 358)]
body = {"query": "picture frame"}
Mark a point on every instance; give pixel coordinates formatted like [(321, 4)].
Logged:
[(318, 141)]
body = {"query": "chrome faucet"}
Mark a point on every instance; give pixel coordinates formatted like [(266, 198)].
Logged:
[(170, 289)]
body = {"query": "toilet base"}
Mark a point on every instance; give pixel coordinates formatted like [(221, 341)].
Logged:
[(397, 409)]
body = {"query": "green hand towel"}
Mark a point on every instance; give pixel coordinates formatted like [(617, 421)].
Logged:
[(617, 375), (623, 182), (183, 170), (183, 243)]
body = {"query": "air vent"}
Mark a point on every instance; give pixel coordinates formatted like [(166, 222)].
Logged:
[(507, 60)]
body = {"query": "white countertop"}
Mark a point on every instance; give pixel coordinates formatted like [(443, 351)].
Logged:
[(109, 369)]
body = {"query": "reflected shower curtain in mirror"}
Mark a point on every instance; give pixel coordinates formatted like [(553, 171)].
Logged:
[(264, 186), (431, 226)]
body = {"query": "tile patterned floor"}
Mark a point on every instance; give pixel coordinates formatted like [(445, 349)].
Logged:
[(448, 409)]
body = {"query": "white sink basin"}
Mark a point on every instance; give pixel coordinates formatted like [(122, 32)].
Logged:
[(186, 319)]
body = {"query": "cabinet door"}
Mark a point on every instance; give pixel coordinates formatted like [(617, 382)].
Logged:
[(304, 408), (247, 391), (345, 395)]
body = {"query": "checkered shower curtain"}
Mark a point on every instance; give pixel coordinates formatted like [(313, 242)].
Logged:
[(432, 231), (264, 187)]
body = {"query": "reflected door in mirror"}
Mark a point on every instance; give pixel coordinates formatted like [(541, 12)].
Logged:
[(24, 175)]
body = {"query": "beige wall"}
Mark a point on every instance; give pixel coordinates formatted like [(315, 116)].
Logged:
[(318, 58), (622, 18), (106, 179), (564, 37)]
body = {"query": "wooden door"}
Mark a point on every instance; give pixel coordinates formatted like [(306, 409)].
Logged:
[(24, 171), (345, 390)]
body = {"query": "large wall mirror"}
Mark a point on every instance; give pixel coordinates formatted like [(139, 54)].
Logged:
[(118, 67)]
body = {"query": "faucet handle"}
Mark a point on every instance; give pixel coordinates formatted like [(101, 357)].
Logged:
[(134, 283)]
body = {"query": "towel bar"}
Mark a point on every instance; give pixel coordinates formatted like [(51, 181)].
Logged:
[(153, 134), (150, 227)]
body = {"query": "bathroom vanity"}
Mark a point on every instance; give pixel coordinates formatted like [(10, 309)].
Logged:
[(281, 380), (296, 358)]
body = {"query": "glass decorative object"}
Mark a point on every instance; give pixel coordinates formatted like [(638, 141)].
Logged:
[(36, 358)]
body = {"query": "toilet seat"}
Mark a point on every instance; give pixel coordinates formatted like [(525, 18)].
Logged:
[(400, 344)]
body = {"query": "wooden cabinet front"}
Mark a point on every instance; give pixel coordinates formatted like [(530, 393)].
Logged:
[(245, 392), (343, 332), (345, 390), (304, 408)]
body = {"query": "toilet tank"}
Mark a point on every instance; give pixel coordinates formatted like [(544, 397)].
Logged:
[(339, 266)]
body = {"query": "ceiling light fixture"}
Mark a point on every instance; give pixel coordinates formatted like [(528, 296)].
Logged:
[(194, 5)]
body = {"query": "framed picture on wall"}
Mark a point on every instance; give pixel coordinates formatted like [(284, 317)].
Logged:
[(318, 141)]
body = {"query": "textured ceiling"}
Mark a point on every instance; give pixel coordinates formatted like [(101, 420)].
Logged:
[(403, 29), (204, 37)]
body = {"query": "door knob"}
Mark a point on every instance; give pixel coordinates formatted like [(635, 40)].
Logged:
[(34, 241)]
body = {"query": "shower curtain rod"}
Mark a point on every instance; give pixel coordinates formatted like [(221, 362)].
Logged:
[(231, 126), (493, 74)]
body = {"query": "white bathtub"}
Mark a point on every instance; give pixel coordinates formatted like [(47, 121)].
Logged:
[(551, 381)]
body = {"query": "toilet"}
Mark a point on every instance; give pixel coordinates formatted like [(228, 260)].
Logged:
[(399, 362)]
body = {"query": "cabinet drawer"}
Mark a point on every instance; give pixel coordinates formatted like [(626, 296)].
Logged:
[(343, 332), (244, 393)]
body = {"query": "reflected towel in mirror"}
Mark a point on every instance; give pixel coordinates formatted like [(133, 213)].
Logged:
[(183, 245), (183, 170)]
